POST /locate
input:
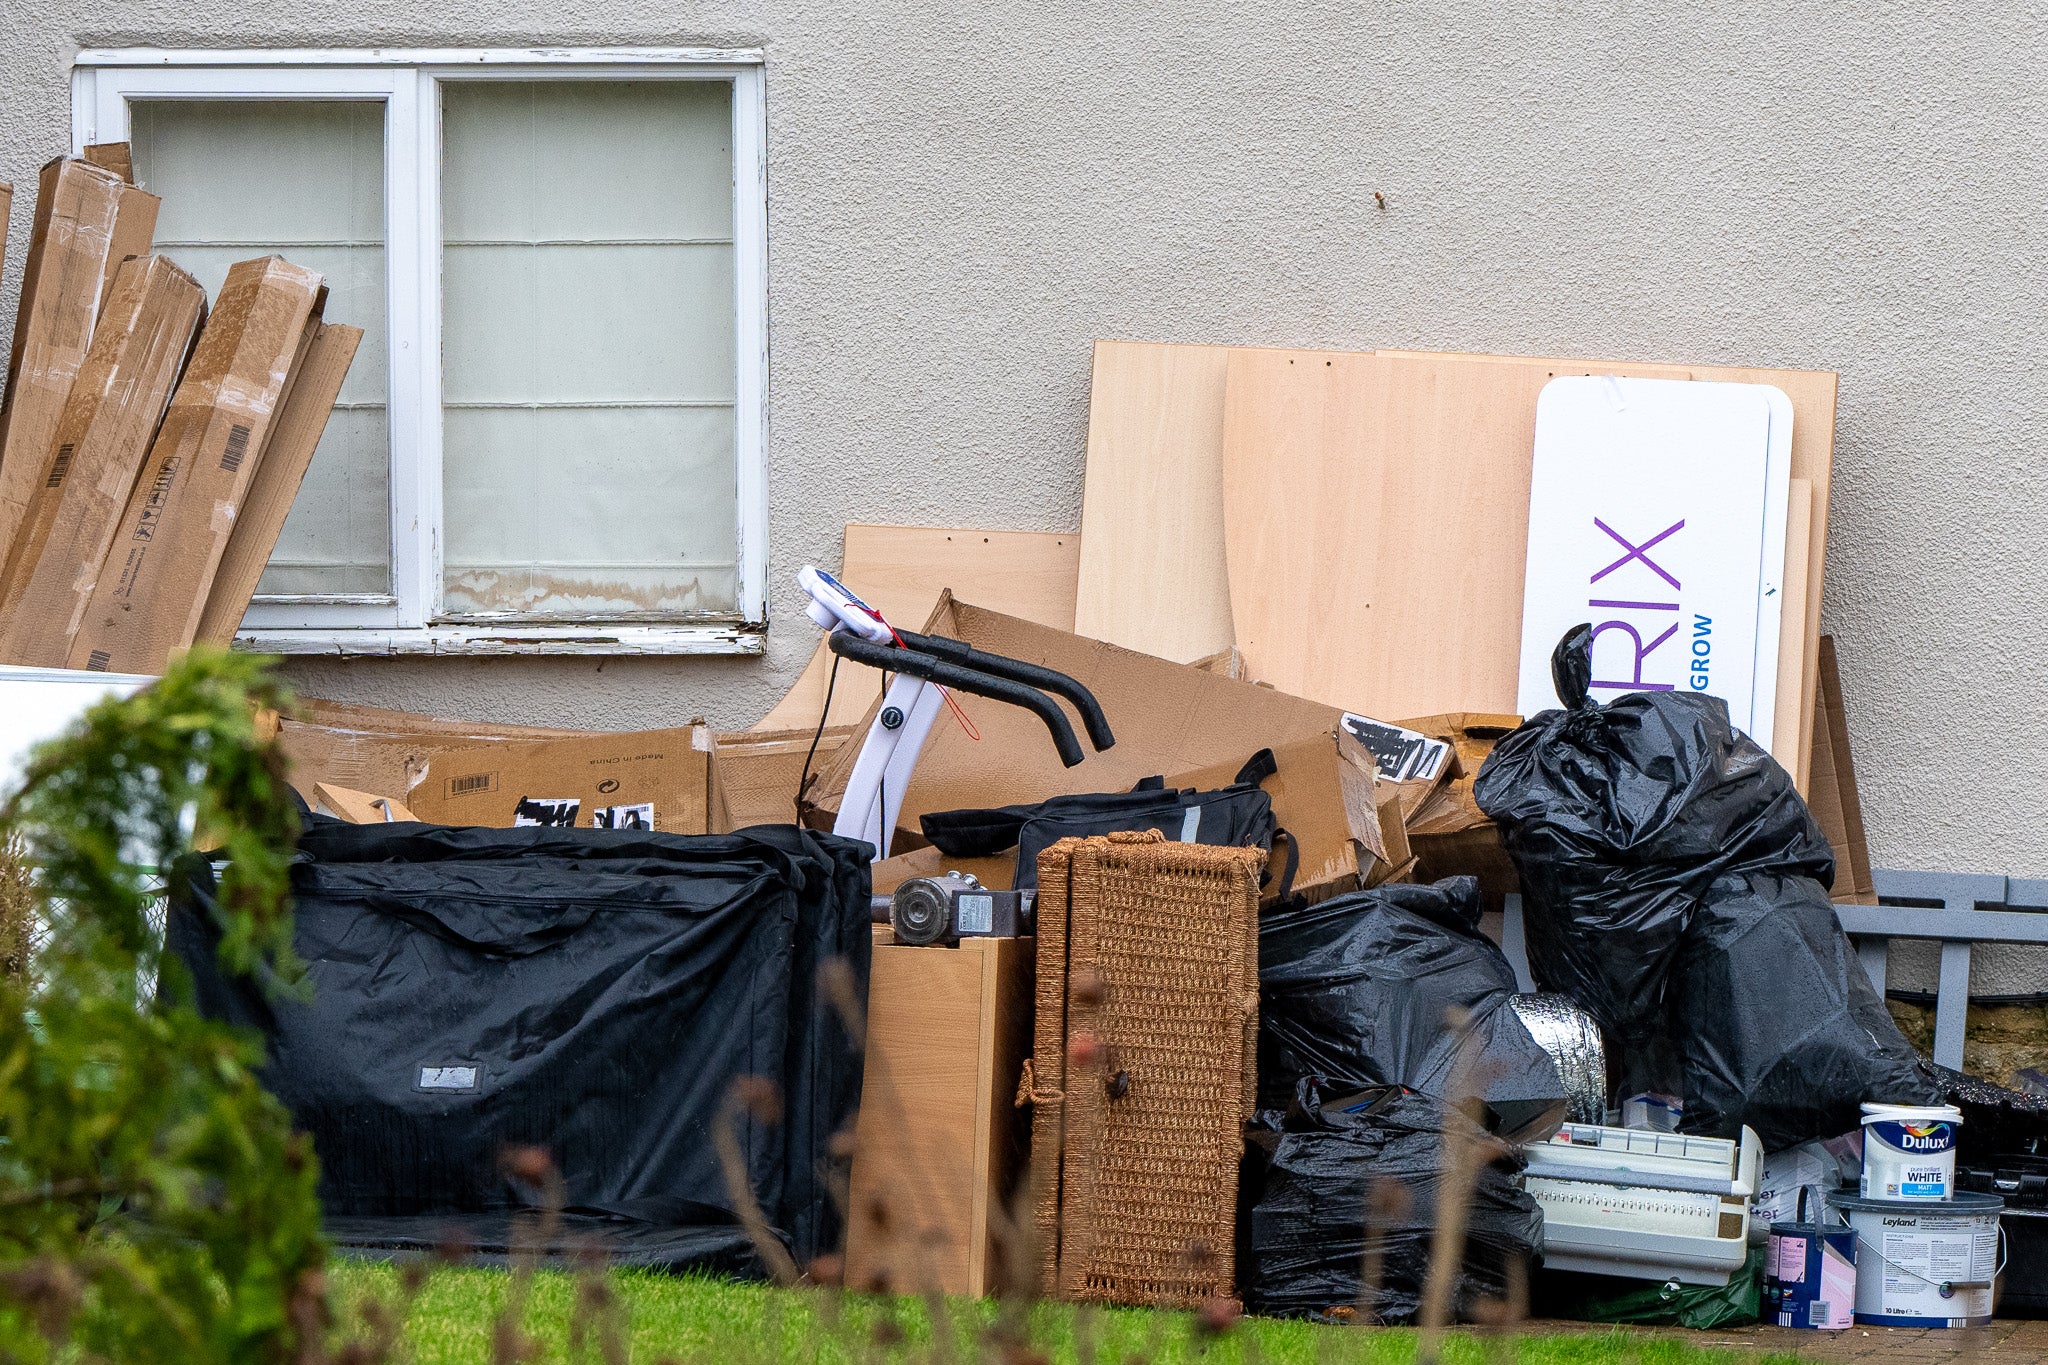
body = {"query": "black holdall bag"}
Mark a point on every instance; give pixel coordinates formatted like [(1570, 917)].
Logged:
[(1237, 816), (596, 993)]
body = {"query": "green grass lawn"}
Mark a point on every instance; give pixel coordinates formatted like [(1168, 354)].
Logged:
[(714, 1322)]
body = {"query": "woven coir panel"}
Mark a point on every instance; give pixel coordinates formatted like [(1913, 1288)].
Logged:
[(1150, 949)]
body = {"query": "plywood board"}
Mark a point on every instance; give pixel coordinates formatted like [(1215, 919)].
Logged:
[(1152, 572), (1302, 514), (947, 1031), (900, 571)]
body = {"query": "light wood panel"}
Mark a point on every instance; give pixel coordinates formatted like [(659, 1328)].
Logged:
[(1152, 568), (900, 571), (935, 1153), (1302, 516)]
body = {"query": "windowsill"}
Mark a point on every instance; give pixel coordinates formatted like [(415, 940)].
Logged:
[(498, 641)]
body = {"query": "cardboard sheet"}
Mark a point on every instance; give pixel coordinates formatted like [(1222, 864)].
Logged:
[(84, 216), (901, 570), (153, 589), (99, 447), (1152, 570), (371, 749), (647, 779), (1836, 802), (755, 773), (315, 384)]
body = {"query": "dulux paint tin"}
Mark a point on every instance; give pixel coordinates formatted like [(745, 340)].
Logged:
[(1921, 1264), (1810, 1276), (1909, 1151)]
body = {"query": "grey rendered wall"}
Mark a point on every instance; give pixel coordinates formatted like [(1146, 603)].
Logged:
[(964, 195)]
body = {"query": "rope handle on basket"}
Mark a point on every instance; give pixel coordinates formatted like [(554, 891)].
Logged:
[(1029, 1093)]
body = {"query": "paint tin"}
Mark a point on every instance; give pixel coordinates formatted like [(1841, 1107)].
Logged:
[(1810, 1276), (1920, 1264), (1909, 1151)]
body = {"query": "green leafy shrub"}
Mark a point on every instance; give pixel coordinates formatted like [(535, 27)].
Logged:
[(154, 1202)]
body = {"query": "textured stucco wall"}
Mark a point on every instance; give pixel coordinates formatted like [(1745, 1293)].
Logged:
[(963, 196)]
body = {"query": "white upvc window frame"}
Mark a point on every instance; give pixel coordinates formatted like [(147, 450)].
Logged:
[(408, 82)]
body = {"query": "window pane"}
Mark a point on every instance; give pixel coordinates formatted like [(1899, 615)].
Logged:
[(588, 347), (304, 179)]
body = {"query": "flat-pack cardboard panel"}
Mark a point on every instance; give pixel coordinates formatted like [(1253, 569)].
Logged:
[(1168, 718), (101, 442), (153, 589), (1152, 574), (646, 779), (314, 385), (380, 751), (901, 570), (755, 773), (78, 210)]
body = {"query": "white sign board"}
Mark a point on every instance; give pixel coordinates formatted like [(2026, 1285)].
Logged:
[(1657, 513)]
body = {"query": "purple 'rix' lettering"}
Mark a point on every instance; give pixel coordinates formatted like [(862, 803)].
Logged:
[(1643, 651), (1638, 552)]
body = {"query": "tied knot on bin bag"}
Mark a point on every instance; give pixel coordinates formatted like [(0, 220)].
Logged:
[(1675, 885)]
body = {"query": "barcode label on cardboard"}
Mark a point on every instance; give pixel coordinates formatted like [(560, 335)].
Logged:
[(469, 784), (237, 448), (60, 466), (97, 661)]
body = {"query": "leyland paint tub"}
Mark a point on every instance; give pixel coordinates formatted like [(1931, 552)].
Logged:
[(1909, 1151), (1810, 1275), (1920, 1264)]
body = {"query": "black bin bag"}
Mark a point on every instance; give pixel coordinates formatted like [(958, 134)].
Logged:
[(1314, 1167), (1675, 885), (592, 992), (1357, 990)]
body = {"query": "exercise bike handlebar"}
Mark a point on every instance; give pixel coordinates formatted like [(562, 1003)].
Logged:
[(1017, 671), (895, 659)]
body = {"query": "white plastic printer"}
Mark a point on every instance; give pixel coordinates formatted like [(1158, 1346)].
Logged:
[(1646, 1205)]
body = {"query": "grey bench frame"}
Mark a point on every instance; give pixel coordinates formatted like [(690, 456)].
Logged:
[(1958, 910)]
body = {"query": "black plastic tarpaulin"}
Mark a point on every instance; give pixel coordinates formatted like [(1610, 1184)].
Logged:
[(595, 993)]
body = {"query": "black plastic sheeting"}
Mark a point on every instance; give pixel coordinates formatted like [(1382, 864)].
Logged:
[(1675, 885), (1313, 1168), (593, 992), (1358, 990)]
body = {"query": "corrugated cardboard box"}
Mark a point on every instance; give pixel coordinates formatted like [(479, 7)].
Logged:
[(87, 219), (315, 384), (385, 753), (645, 779), (152, 314), (153, 588), (1324, 790), (1168, 718), (755, 773)]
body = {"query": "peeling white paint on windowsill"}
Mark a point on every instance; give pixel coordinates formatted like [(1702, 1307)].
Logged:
[(474, 641)]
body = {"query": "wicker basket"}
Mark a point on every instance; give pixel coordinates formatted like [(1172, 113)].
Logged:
[(1151, 948)]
